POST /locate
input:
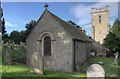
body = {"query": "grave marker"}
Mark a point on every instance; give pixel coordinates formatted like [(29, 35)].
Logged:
[(37, 63), (7, 54), (95, 70)]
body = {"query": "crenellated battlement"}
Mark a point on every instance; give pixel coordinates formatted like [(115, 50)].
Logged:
[(104, 9)]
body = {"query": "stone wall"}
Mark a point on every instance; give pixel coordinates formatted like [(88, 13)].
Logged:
[(99, 50), (62, 49), (81, 54)]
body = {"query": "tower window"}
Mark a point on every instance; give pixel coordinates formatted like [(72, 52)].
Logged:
[(99, 19)]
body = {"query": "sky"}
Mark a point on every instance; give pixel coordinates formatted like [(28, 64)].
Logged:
[(17, 14)]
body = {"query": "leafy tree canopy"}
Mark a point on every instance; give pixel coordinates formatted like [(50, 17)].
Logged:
[(3, 26), (112, 40), (16, 36)]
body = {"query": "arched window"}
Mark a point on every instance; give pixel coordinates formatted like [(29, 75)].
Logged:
[(47, 46)]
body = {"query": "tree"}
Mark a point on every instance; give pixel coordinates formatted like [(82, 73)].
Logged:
[(6, 38), (112, 40), (116, 28), (30, 26), (18, 36), (3, 26), (22, 35), (15, 36)]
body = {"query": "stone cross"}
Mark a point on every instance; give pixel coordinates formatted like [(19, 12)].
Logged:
[(116, 56), (46, 6)]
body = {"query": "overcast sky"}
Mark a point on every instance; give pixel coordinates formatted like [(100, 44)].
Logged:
[(17, 14)]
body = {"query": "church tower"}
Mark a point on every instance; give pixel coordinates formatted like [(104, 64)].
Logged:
[(100, 23)]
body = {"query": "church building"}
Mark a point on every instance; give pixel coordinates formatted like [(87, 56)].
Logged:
[(63, 46)]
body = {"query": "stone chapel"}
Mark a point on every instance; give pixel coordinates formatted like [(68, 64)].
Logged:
[(63, 46)]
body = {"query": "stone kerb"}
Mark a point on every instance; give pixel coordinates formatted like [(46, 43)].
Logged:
[(37, 63)]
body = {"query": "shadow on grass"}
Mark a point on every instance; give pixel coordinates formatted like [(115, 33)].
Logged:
[(47, 73)]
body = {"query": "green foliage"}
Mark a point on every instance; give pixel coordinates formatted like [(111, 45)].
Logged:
[(112, 40), (3, 26), (16, 36), (6, 38), (22, 36), (21, 54), (30, 26), (116, 28)]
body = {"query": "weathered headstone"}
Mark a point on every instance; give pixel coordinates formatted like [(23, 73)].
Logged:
[(13, 43), (16, 46), (2, 42), (115, 61), (23, 48), (7, 43), (21, 43), (16, 51), (7, 54), (95, 71), (37, 63)]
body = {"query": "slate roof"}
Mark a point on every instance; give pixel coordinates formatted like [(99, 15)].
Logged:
[(75, 32)]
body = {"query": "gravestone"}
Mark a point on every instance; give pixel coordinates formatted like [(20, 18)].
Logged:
[(23, 48), (7, 43), (16, 50), (2, 42), (12, 44), (7, 54), (95, 71), (21, 43), (37, 63), (17, 45)]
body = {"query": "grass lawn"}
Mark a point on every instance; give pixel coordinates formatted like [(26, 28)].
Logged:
[(19, 70), (24, 71)]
